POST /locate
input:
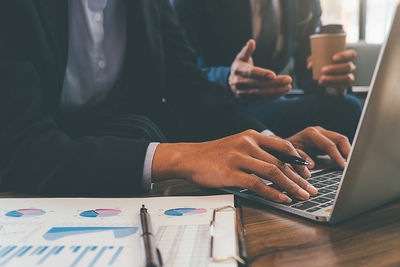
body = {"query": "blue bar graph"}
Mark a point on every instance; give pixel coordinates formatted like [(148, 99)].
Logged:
[(43, 250), (3, 251), (61, 232), (7, 250), (12, 256), (42, 260), (80, 257), (97, 256), (30, 255), (114, 258), (24, 251), (59, 250)]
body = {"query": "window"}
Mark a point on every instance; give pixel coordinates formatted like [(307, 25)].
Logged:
[(379, 17), (342, 12), (363, 20)]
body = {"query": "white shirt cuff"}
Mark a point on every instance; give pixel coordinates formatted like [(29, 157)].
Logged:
[(267, 132), (148, 163)]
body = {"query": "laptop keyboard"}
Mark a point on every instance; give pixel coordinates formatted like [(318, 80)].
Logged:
[(327, 185)]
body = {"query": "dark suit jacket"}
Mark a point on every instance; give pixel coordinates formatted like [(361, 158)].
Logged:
[(218, 29), (37, 155)]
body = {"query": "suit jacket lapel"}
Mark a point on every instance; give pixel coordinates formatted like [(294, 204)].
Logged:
[(54, 14), (232, 22), (145, 53), (54, 18)]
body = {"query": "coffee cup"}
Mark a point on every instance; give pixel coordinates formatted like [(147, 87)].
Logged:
[(328, 41)]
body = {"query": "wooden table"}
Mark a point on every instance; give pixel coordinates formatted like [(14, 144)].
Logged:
[(275, 238)]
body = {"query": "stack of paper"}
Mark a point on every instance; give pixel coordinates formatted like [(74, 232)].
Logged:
[(104, 232)]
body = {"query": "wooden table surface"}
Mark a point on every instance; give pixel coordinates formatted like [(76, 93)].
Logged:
[(274, 238)]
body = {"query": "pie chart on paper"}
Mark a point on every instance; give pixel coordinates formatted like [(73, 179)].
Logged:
[(100, 213), (184, 211), (25, 213)]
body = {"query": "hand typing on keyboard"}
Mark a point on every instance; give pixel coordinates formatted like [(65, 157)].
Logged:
[(318, 141), (231, 161)]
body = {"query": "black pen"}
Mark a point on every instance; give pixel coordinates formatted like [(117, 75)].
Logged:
[(152, 256), (289, 159)]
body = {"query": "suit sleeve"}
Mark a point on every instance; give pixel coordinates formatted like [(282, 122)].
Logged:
[(189, 15), (38, 157), (208, 109), (303, 75), (219, 75)]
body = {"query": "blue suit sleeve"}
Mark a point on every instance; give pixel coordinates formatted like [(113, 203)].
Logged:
[(217, 74)]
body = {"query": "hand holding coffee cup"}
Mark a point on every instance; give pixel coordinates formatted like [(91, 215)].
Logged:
[(331, 63)]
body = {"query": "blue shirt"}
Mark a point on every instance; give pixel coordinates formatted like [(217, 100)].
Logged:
[(96, 53)]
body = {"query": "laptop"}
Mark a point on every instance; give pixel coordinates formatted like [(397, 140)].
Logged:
[(372, 175)]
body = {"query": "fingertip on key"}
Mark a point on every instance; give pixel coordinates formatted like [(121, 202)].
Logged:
[(313, 191), (285, 198), (307, 173), (303, 194)]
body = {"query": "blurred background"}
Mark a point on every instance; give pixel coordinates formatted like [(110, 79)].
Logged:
[(364, 20)]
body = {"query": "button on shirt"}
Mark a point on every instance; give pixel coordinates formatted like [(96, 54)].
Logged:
[(96, 52), (97, 46)]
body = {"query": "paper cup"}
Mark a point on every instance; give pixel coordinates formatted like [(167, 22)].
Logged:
[(323, 47)]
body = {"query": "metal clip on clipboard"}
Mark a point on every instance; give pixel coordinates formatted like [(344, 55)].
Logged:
[(241, 258)]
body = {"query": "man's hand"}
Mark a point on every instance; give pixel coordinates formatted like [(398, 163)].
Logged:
[(250, 83), (231, 161), (318, 141), (340, 75)]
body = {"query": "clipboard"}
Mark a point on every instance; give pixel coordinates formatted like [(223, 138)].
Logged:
[(241, 256)]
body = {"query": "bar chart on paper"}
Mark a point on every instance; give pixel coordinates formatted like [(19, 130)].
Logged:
[(56, 233), (77, 232), (56, 249), (67, 255)]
